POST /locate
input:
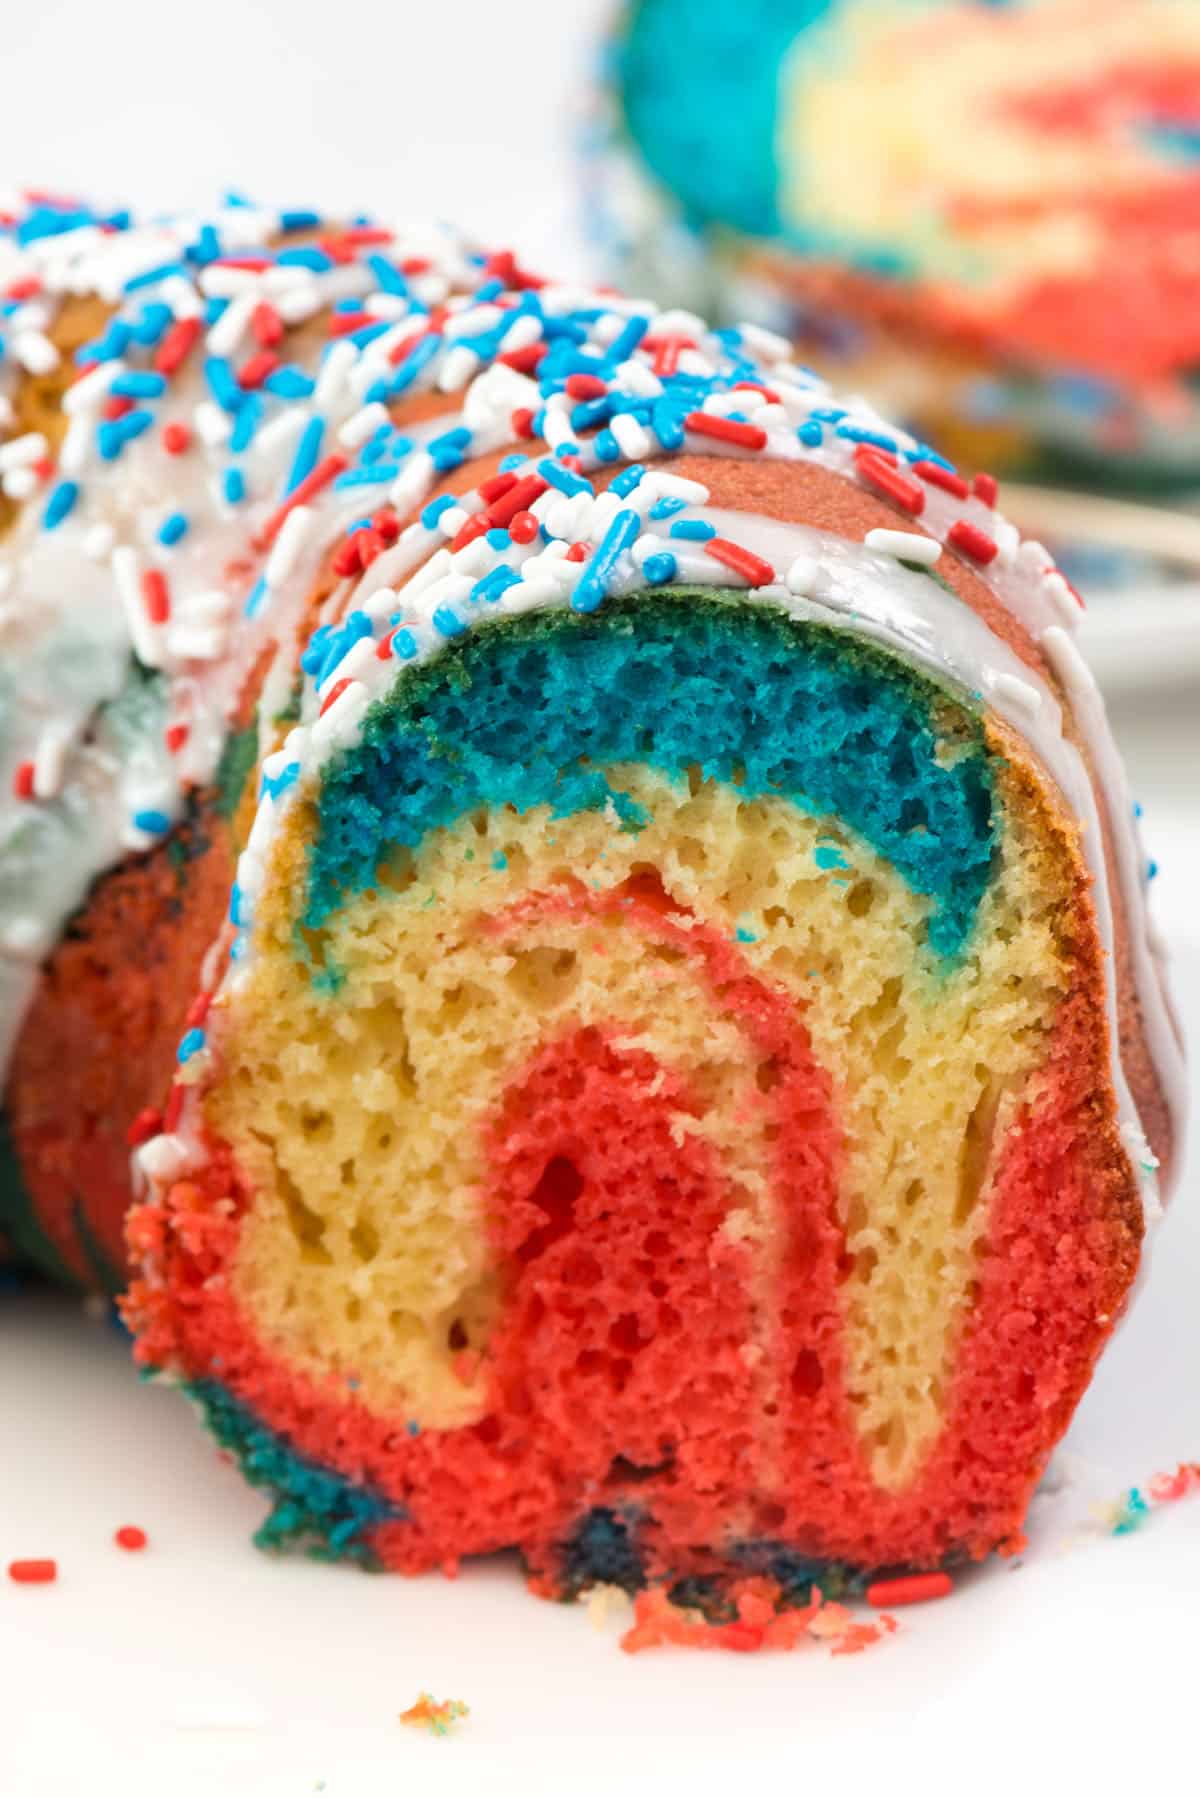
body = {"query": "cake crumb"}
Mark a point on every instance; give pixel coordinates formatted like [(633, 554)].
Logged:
[(438, 1716)]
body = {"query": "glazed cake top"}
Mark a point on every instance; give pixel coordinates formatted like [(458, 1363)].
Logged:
[(260, 389)]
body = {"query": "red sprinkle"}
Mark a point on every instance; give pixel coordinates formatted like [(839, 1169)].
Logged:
[(666, 352), (176, 344), (176, 437), (146, 1124), (912, 1588), (130, 1537), (768, 393), (400, 350), (342, 323), (155, 596), (174, 1105), (585, 387), (522, 422), (175, 736), (972, 541), (326, 471), (256, 368), (23, 780), (197, 1011), (519, 498), (387, 522), (347, 558), (578, 552), (523, 528), (742, 561), (725, 430), (945, 478), (882, 474), (116, 406), (526, 359), (475, 526), (986, 487), (23, 289), (335, 692), (499, 483), (266, 325), (33, 1573)]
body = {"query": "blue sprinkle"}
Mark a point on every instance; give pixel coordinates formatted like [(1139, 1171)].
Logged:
[(497, 539), (660, 568), (494, 584), (432, 513), (306, 257), (155, 824), (370, 476), (404, 645), (389, 278), (830, 415), (666, 422), (59, 504), (153, 321), (256, 597), (235, 905), (810, 433), (413, 363), (234, 486), (207, 246), (622, 347), (290, 383), (856, 434), (508, 463), (448, 451), (607, 448), (307, 451), (274, 786), (154, 275), (223, 383), (694, 530), (593, 583), (246, 423), (627, 480), (189, 1045), (448, 622), (298, 221), (563, 478), (173, 528), (1151, 870), (667, 506), (139, 384)]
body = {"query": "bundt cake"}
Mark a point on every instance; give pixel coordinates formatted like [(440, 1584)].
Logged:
[(669, 1061)]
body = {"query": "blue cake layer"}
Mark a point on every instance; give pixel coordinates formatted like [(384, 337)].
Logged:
[(532, 711)]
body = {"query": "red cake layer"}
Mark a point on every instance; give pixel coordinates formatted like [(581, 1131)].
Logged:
[(618, 1372)]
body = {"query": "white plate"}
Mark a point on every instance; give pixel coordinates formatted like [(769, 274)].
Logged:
[(201, 1666)]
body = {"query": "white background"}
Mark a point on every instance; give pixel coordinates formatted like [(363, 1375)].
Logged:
[(201, 1666)]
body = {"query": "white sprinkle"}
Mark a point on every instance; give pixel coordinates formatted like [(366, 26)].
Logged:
[(198, 642), (340, 723), (225, 336), (49, 763), (162, 1158), (179, 294), (363, 424), (906, 546), (92, 390), (288, 545), (633, 440), (767, 344), (213, 427), (19, 483), (76, 446), (413, 482), (35, 352), (299, 303), (21, 452), (457, 368), (98, 540), (279, 434), (142, 634), (801, 577), (334, 369)]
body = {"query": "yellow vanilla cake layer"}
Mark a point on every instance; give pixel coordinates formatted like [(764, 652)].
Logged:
[(359, 1115)]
